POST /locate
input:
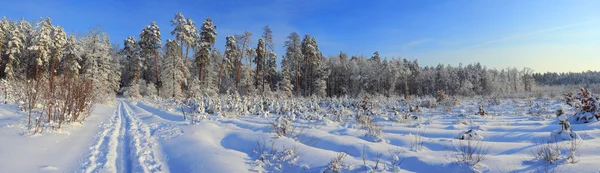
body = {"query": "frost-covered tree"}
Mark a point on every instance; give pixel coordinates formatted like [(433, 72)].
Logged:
[(4, 36), (59, 40), (293, 55), (260, 65), (229, 58), (42, 44), (99, 64), (13, 48), (285, 85), (186, 32), (172, 77), (135, 61), (150, 42), (243, 41), (72, 56), (208, 36), (270, 57)]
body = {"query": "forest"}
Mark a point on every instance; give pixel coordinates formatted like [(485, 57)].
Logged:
[(189, 64)]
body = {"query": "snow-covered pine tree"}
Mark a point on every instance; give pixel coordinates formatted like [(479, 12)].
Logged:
[(133, 54), (227, 65), (27, 61), (243, 40), (321, 74), (59, 40), (150, 43), (42, 44), (14, 48), (171, 75), (186, 32), (99, 65), (208, 36), (270, 58), (260, 65), (72, 57), (285, 85), (294, 56), (4, 36)]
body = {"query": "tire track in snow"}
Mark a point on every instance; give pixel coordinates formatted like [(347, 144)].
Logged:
[(143, 146), (124, 145), (103, 154)]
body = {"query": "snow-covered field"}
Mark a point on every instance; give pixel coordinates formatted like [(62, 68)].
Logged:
[(152, 136)]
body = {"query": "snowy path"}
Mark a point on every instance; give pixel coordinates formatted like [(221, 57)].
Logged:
[(124, 145)]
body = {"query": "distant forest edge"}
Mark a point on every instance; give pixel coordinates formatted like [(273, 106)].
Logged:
[(189, 65), (553, 78)]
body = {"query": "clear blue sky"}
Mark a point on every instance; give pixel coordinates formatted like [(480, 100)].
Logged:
[(545, 35)]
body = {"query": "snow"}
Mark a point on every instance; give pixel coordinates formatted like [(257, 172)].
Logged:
[(147, 136)]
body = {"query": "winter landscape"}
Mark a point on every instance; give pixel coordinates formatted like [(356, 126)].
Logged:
[(175, 95)]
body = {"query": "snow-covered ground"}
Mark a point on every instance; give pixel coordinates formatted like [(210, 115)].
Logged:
[(152, 136)]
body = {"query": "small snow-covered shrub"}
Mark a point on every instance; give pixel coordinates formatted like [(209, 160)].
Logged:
[(565, 133), (271, 159), (471, 134), (481, 111), (547, 151), (586, 104), (374, 133), (282, 126), (396, 161), (574, 145), (468, 152), (417, 140), (336, 165)]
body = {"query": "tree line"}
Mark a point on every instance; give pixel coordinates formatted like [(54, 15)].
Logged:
[(189, 65)]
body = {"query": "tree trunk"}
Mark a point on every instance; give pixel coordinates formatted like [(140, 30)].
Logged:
[(220, 72), (156, 64), (200, 71)]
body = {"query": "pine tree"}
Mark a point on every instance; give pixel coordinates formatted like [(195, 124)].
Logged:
[(244, 40), (172, 76), (59, 40), (72, 56), (185, 31), (293, 55), (270, 57), (42, 44), (285, 85), (260, 64), (229, 58), (99, 64), (150, 41), (4, 37), (207, 40), (14, 48)]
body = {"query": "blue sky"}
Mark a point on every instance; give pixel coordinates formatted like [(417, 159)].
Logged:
[(545, 35)]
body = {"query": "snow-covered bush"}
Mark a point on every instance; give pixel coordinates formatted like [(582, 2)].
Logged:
[(194, 109), (271, 159), (481, 111), (417, 141), (471, 134), (573, 147), (282, 126), (547, 151), (469, 153), (586, 104), (336, 165), (396, 161), (565, 133)]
